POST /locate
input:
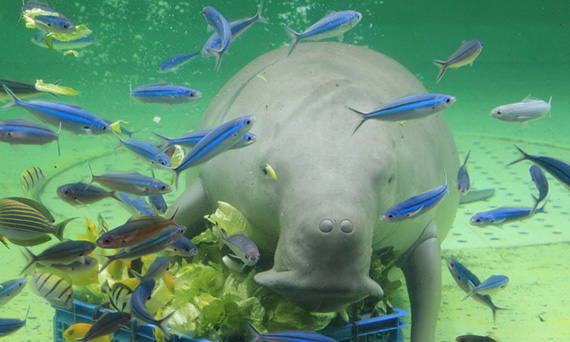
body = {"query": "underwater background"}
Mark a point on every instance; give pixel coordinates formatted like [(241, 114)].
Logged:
[(526, 51)]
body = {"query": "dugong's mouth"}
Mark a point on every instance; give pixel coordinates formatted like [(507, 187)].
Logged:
[(326, 294)]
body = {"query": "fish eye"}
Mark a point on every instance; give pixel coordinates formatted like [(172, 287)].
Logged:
[(390, 216), (248, 122), (107, 240), (66, 192), (104, 127), (65, 26), (498, 112), (478, 220), (49, 24), (448, 100), (163, 187)]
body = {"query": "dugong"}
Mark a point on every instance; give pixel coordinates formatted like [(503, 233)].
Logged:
[(321, 216)]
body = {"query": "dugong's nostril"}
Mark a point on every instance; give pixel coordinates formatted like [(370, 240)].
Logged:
[(326, 226), (346, 226)]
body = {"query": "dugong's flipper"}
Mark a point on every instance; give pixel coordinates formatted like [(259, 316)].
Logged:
[(421, 265), (191, 207)]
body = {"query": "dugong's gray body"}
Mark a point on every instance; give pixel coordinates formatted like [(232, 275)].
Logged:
[(321, 215)]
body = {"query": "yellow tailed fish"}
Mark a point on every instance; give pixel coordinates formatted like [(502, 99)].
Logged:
[(88, 278), (31, 177), (116, 269), (116, 126), (90, 231), (78, 330), (168, 282), (54, 88)]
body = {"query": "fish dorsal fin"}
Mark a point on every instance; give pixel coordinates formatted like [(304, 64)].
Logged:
[(530, 98), (36, 205)]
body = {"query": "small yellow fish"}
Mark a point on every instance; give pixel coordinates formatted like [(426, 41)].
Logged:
[(78, 330), (168, 282), (87, 278), (53, 88), (90, 232), (116, 269), (75, 53)]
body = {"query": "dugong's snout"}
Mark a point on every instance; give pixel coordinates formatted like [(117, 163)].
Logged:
[(325, 268)]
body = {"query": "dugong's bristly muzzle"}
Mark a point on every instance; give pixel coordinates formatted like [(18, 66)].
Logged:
[(307, 280)]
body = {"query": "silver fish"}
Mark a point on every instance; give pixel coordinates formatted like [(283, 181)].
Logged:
[(465, 54), (75, 268), (155, 271), (11, 325), (500, 216), (528, 109), (62, 253), (242, 247), (53, 22), (332, 25), (132, 183), (9, 289), (60, 45), (25, 132), (463, 181), (182, 247)]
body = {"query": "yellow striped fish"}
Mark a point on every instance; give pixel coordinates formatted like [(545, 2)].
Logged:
[(31, 177), (24, 221), (54, 288)]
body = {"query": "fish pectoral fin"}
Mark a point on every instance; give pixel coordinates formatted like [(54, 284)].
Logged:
[(499, 222), (414, 213)]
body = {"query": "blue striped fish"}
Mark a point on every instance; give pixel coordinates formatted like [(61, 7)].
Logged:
[(173, 63), (71, 118), (165, 93), (492, 285), (333, 25), (54, 288), (11, 325), (158, 204), (82, 193), (467, 281), (138, 307), (540, 181), (146, 151), (558, 169), (155, 271), (287, 336), (132, 183), (137, 206), (222, 27), (9, 289), (30, 178), (190, 140), (182, 247), (61, 45), (25, 132), (53, 22), (465, 54), (215, 142), (237, 28), (416, 205), (500, 216), (408, 108), (64, 252), (25, 219)]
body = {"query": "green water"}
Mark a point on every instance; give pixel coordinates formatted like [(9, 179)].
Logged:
[(526, 51)]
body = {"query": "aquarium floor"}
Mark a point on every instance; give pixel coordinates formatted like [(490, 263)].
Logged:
[(532, 253)]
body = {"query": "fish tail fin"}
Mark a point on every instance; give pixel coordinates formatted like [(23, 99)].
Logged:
[(91, 171), (176, 176), (255, 334), (294, 36), (15, 101), (30, 257), (107, 262), (58, 147), (121, 141), (442, 67), (467, 158), (162, 325), (258, 16), (550, 110), (495, 309), (219, 56), (361, 122), (60, 227), (167, 143), (524, 156), (137, 275), (173, 215), (541, 209)]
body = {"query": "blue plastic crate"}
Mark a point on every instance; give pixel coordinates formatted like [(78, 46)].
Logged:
[(379, 329)]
